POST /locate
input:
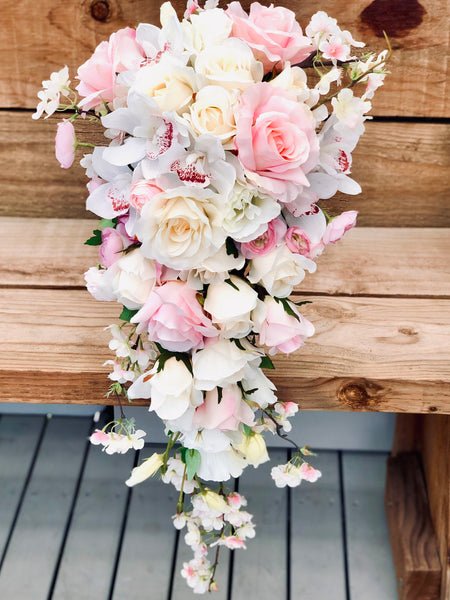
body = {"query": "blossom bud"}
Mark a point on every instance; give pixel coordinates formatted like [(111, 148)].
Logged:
[(148, 468), (254, 449), (215, 501)]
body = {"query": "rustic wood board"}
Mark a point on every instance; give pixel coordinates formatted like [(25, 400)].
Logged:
[(90, 548), (413, 540), (367, 261), (403, 169), (19, 438), (48, 35), (45, 510), (148, 543), (260, 571), (363, 357), (317, 551), (371, 572)]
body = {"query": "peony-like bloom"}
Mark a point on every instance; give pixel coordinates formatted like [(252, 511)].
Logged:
[(65, 144), (226, 414), (279, 330), (174, 318), (267, 241), (276, 140), (272, 32), (339, 226)]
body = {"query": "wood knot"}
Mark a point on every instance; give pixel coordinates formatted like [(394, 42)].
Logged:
[(396, 17), (353, 394), (100, 10)]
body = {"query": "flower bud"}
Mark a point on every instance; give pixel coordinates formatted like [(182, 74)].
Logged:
[(254, 449), (215, 501), (148, 468)]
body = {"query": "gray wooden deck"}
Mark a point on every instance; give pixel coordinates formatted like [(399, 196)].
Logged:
[(71, 530)]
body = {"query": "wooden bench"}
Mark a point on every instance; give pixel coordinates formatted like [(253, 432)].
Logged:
[(381, 297)]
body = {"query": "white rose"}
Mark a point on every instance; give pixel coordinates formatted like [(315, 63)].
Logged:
[(248, 211), (231, 65), (134, 280), (169, 82), (220, 364), (171, 390), (213, 113), (280, 270), (207, 28), (230, 307), (213, 269), (293, 79), (181, 227), (99, 283)]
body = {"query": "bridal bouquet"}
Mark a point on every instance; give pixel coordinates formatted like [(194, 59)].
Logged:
[(222, 133)]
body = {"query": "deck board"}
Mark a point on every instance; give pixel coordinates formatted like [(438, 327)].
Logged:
[(317, 550), (371, 570)]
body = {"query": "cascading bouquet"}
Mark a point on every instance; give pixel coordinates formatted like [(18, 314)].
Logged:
[(219, 148)]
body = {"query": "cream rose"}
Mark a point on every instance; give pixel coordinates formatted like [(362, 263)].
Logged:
[(212, 113), (230, 65), (181, 227), (280, 270), (230, 306), (213, 269), (170, 83), (134, 280), (206, 28)]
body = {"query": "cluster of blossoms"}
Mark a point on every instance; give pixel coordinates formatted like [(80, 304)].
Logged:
[(218, 148)]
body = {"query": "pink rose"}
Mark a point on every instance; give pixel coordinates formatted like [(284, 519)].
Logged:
[(65, 143), (111, 247), (266, 242), (276, 140), (281, 331), (338, 226), (271, 32), (142, 191), (174, 318), (226, 414), (98, 74)]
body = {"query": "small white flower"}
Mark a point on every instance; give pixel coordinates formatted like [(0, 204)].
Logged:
[(50, 95)]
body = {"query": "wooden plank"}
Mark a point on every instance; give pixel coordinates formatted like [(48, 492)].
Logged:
[(148, 543), (47, 35), (371, 571), (51, 253), (40, 526), (398, 165), (413, 540), (260, 571), (364, 355), (19, 437), (91, 546), (317, 552), (435, 452)]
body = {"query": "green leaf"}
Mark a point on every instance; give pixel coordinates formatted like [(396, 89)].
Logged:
[(183, 451), (238, 344), (103, 223), (127, 314), (95, 240), (247, 430), (231, 247), (219, 394), (287, 307), (302, 303), (233, 285), (252, 391), (192, 460), (266, 363), (164, 356)]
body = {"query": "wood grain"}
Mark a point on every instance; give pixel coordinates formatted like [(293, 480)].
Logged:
[(403, 169), (413, 540), (364, 356), (44, 36), (367, 261)]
